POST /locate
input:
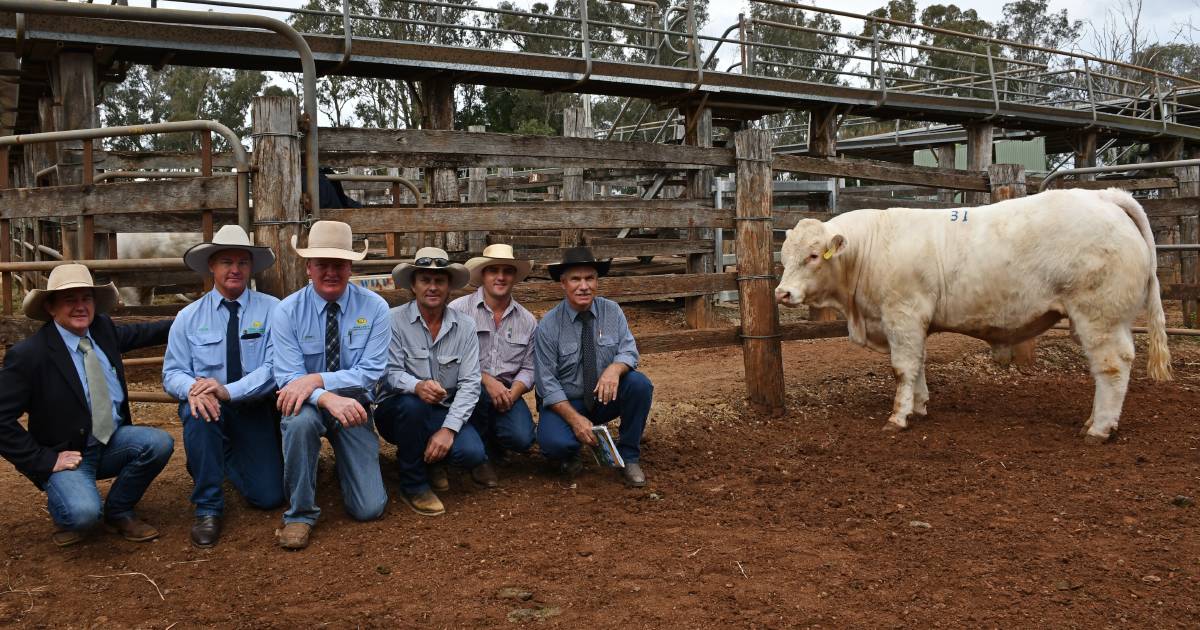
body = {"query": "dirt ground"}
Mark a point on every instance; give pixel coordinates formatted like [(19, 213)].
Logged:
[(991, 512)]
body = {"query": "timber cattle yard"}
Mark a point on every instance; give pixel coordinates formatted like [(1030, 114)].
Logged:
[(774, 499)]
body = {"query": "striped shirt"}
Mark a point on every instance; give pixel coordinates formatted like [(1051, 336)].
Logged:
[(452, 360), (505, 351)]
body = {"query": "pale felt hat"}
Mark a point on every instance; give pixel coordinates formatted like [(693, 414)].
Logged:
[(228, 237), (330, 239), (69, 276), (498, 254), (403, 273)]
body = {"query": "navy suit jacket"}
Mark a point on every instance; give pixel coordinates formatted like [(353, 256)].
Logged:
[(39, 378)]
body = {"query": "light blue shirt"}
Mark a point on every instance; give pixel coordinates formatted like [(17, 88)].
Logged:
[(452, 359), (196, 346), (299, 340), (556, 348), (115, 391)]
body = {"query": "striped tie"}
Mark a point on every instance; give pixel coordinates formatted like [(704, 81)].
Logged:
[(101, 402), (333, 346)]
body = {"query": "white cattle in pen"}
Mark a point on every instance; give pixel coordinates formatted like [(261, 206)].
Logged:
[(151, 245), (1003, 273)]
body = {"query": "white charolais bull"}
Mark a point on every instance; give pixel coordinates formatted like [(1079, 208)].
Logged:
[(1003, 273)]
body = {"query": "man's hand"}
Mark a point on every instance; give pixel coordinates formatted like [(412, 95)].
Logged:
[(609, 381), (439, 445), (204, 406), (345, 410), (209, 386), (430, 391), (502, 399), (582, 428), (68, 460), (293, 395)]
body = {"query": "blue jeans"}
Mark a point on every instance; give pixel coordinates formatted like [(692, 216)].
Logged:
[(243, 445), (408, 422), (356, 450), (134, 455), (632, 405), (512, 429)]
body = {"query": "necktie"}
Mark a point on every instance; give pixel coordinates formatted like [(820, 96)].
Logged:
[(587, 359), (102, 418), (333, 346), (233, 347)]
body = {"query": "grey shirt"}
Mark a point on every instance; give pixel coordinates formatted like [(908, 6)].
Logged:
[(505, 351), (556, 348), (452, 360)]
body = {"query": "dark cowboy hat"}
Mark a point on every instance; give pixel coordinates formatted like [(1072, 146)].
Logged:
[(578, 257)]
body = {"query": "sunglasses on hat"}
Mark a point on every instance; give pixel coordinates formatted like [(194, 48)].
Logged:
[(426, 261)]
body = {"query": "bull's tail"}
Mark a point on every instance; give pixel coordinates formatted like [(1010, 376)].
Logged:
[(1159, 362)]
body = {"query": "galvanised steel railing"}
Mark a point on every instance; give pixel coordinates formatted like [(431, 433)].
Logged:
[(777, 38)]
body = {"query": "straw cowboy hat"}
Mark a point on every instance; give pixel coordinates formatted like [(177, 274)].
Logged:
[(430, 258), (498, 254), (330, 239), (228, 237), (576, 257), (69, 276)]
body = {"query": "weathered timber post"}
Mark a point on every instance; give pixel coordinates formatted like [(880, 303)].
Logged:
[(698, 310), (575, 125), (6, 243), (505, 173), (1189, 232), (947, 158), (277, 212), (437, 98), (761, 347), (1167, 232), (1085, 153), (979, 157), (477, 193), (822, 143), (75, 85), (1008, 182)]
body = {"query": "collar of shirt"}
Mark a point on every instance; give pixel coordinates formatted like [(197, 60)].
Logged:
[(243, 300), (574, 314), (321, 303), (477, 301), (72, 340), (449, 315)]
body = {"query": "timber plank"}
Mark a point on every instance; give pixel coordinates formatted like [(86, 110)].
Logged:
[(545, 216), (180, 195), (876, 170), (677, 341)]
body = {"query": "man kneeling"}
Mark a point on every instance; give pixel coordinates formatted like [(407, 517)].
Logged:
[(432, 380)]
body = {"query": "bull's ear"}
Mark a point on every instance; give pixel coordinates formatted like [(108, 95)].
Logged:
[(835, 247)]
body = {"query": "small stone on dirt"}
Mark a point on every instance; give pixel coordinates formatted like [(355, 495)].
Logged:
[(919, 525), (585, 553), (518, 615), (382, 570), (1151, 579), (1182, 500), (514, 592)]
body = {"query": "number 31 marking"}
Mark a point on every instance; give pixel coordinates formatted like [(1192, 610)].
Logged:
[(954, 215)]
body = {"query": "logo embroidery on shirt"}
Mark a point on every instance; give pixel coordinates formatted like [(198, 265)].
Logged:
[(360, 322)]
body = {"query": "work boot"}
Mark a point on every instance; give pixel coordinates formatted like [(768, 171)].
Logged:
[(66, 537), (424, 503), (485, 475), (206, 530), (572, 467), (132, 528), (438, 479), (294, 535), (634, 477)]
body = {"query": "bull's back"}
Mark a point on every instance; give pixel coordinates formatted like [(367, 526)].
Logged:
[(1009, 270)]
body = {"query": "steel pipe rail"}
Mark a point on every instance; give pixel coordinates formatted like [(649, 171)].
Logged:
[(176, 16), (1116, 168), (241, 161), (395, 179)]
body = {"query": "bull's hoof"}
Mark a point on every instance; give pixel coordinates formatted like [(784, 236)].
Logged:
[(892, 427), (1095, 440)]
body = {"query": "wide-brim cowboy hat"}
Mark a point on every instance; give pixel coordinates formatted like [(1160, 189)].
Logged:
[(403, 273), (578, 257), (330, 239), (498, 254), (65, 277), (228, 237)]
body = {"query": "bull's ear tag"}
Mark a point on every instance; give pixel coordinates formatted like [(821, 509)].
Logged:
[(828, 254)]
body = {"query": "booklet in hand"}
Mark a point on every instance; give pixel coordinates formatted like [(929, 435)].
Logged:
[(605, 450)]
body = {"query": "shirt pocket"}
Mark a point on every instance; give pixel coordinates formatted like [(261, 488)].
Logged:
[(207, 351), (513, 352), (448, 367), (314, 353), (416, 362), (357, 338)]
